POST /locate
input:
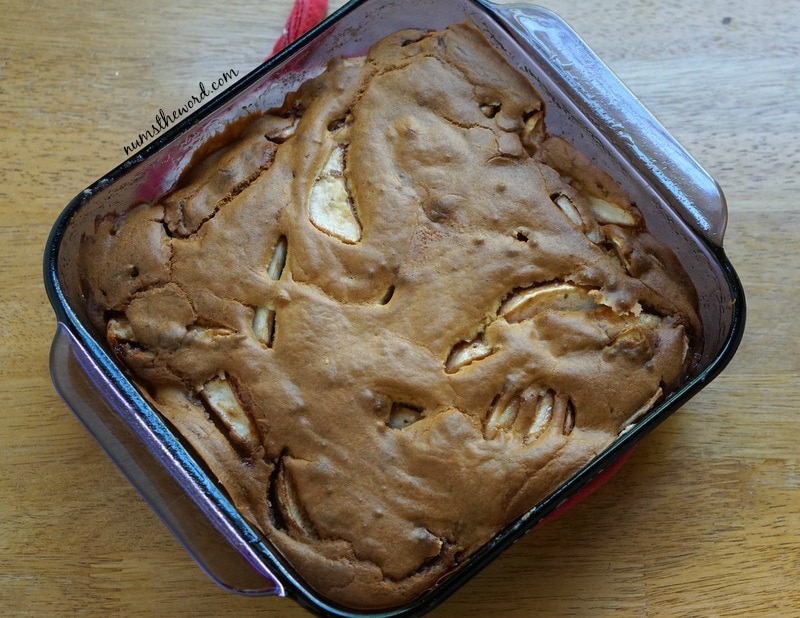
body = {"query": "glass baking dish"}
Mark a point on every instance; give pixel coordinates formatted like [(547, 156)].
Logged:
[(587, 105)]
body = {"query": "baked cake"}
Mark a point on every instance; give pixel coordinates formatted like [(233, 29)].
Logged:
[(395, 314)]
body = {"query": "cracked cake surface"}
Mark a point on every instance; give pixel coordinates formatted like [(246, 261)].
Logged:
[(395, 314)]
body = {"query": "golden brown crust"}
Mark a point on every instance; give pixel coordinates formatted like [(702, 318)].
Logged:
[(395, 315)]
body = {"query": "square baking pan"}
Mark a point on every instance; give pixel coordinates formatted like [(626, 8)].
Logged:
[(586, 104)]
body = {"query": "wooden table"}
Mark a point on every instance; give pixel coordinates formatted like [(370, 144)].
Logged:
[(705, 520)]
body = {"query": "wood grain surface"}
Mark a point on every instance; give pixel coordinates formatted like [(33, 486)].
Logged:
[(703, 521)]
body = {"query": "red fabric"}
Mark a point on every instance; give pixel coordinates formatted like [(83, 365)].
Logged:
[(305, 15), (593, 485)]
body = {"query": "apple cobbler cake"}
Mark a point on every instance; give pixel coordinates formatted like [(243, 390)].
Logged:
[(395, 314)]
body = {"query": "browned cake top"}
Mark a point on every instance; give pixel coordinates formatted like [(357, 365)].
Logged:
[(394, 315)]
